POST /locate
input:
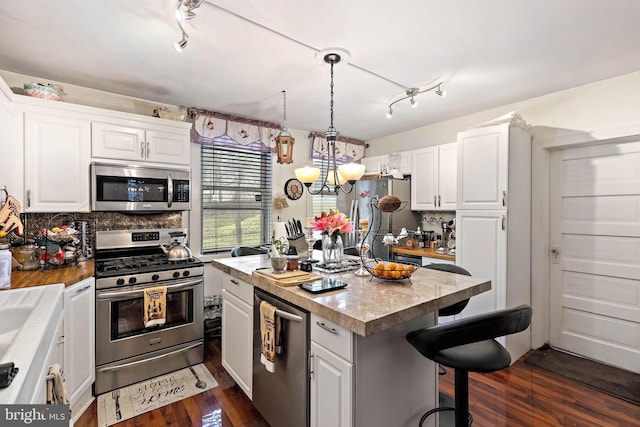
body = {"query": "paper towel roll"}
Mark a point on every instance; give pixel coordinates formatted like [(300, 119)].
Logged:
[(279, 230)]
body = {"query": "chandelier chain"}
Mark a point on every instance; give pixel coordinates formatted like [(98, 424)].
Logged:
[(284, 121), (331, 102)]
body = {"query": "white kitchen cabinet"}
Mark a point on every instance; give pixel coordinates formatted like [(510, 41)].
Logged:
[(140, 142), (11, 137), (57, 154), (434, 178), (331, 389), (493, 220), (237, 331), (79, 341)]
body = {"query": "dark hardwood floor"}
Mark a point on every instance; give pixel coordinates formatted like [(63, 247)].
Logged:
[(520, 395)]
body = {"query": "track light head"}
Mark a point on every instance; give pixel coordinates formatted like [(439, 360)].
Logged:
[(180, 45), (389, 113), (441, 92), (413, 101)]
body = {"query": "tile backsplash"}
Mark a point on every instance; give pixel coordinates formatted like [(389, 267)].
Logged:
[(34, 222)]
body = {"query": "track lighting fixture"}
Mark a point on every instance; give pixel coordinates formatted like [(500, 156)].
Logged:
[(185, 11), (413, 92)]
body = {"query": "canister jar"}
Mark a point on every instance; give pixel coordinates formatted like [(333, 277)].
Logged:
[(5, 265)]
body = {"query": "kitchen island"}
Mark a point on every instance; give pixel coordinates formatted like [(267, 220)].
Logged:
[(362, 372)]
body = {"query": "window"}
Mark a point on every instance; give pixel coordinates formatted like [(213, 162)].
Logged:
[(236, 196), (327, 200)]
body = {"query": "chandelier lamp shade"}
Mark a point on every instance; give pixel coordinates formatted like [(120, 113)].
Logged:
[(284, 140), (413, 92), (336, 176), (185, 11)]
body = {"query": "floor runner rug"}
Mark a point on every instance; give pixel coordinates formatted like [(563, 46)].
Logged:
[(145, 396), (609, 379)]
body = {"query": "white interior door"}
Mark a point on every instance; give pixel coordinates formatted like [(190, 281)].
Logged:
[(595, 252)]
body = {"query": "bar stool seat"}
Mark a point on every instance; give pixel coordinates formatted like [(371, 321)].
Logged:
[(469, 345)]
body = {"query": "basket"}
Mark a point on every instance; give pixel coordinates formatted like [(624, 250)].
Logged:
[(38, 90), (388, 270)]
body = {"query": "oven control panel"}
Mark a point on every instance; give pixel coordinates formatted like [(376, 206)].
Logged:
[(145, 236)]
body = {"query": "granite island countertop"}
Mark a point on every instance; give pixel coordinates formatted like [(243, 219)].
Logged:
[(366, 306)]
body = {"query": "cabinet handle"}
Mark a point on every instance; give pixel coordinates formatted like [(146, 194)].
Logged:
[(434, 202), (28, 198), (438, 200), (234, 281), (79, 291), (504, 222), (142, 150), (311, 366), (504, 197), (326, 328), (148, 145)]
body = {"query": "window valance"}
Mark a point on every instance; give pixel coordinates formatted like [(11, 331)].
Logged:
[(215, 128), (347, 150)]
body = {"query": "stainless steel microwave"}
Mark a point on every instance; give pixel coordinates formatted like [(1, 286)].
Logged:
[(139, 188)]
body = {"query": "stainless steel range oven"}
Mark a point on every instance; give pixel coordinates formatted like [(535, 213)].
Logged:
[(127, 262)]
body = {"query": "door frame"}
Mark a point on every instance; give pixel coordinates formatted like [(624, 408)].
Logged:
[(544, 141)]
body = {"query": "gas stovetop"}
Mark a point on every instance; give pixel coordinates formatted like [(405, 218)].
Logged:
[(134, 257)]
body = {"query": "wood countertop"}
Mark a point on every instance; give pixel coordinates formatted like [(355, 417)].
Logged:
[(68, 275), (426, 252), (366, 306)]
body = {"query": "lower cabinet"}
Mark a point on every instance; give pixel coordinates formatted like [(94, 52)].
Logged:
[(79, 342), (237, 331), (331, 388), (331, 374)]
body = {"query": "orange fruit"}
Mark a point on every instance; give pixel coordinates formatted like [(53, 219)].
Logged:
[(391, 266), (396, 274)]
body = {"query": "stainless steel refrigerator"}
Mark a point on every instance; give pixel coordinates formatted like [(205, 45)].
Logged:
[(357, 205)]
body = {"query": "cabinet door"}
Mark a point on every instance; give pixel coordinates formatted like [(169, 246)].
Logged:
[(424, 179), (482, 167), (79, 338), (481, 242), (13, 154), (112, 141), (57, 154), (448, 176), (331, 389), (237, 340), (164, 146)]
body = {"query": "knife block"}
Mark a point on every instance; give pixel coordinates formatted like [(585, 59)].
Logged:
[(300, 244)]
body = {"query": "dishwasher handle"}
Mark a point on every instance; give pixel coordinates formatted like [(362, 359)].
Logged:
[(283, 314)]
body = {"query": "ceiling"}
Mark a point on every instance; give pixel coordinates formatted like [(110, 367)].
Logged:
[(243, 53)]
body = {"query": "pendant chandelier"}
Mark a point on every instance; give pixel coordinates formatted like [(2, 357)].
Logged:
[(336, 176), (284, 140)]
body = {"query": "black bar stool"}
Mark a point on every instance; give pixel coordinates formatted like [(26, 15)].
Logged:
[(468, 345), (245, 250)]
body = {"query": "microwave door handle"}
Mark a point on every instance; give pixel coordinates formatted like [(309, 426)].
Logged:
[(169, 190)]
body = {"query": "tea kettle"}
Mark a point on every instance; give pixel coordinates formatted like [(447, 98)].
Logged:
[(177, 251)]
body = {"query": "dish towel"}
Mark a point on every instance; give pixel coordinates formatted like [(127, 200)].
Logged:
[(56, 392), (269, 330), (155, 304)]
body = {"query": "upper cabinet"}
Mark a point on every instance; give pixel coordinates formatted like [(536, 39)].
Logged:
[(434, 178), (57, 154), (373, 164), (140, 142), (484, 158)]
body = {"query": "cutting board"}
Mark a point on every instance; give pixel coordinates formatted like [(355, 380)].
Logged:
[(288, 278)]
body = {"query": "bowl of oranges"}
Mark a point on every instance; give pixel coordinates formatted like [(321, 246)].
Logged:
[(389, 270)]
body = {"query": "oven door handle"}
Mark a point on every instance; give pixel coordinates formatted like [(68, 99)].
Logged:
[(169, 190), (140, 362), (178, 286)]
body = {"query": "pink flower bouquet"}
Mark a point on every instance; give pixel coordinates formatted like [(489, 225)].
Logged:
[(333, 224)]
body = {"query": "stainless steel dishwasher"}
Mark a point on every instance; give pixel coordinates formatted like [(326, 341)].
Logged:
[(282, 397)]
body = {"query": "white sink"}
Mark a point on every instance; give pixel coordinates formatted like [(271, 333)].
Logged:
[(28, 321)]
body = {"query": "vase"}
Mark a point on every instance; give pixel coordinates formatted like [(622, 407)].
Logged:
[(332, 250)]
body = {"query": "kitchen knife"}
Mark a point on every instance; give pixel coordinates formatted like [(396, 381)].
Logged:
[(300, 232)]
